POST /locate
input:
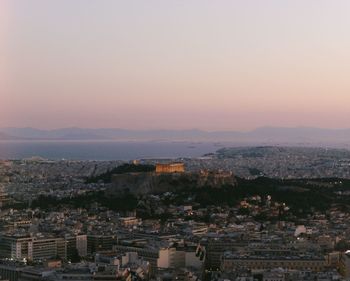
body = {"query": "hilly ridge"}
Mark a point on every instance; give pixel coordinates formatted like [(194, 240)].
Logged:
[(260, 135)]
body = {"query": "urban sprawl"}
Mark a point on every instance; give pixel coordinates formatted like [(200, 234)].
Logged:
[(241, 214)]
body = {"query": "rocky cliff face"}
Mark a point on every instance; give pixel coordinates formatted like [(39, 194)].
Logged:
[(144, 183)]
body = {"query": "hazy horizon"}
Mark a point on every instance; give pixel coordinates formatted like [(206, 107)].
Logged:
[(178, 129), (213, 66)]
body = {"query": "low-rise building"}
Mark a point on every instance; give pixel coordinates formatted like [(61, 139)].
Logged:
[(302, 262)]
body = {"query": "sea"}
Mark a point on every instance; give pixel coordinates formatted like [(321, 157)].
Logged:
[(104, 150), (123, 150)]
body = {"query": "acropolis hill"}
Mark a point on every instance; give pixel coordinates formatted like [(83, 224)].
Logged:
[(165, 181)]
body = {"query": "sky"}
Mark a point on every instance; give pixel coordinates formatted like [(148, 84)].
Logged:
[(157, 64)]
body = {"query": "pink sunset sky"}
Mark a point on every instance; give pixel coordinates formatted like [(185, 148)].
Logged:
[(212, 65)]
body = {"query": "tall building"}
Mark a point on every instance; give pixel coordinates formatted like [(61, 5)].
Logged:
[(32, 248), (9, 272), (100, 242), (76, 243)]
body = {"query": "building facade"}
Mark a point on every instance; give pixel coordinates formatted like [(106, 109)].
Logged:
[(170, 168), (32, 248)]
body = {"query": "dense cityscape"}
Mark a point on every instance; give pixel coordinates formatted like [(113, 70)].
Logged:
[(260, 213), (168, 140)]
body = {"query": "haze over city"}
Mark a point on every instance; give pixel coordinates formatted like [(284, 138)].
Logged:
[(211, 65), (178, 140)]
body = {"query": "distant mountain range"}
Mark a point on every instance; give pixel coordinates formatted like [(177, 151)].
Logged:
[(271, 135)]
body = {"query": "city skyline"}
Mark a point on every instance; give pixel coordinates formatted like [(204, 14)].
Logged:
[(179, 140), (233, 65)]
